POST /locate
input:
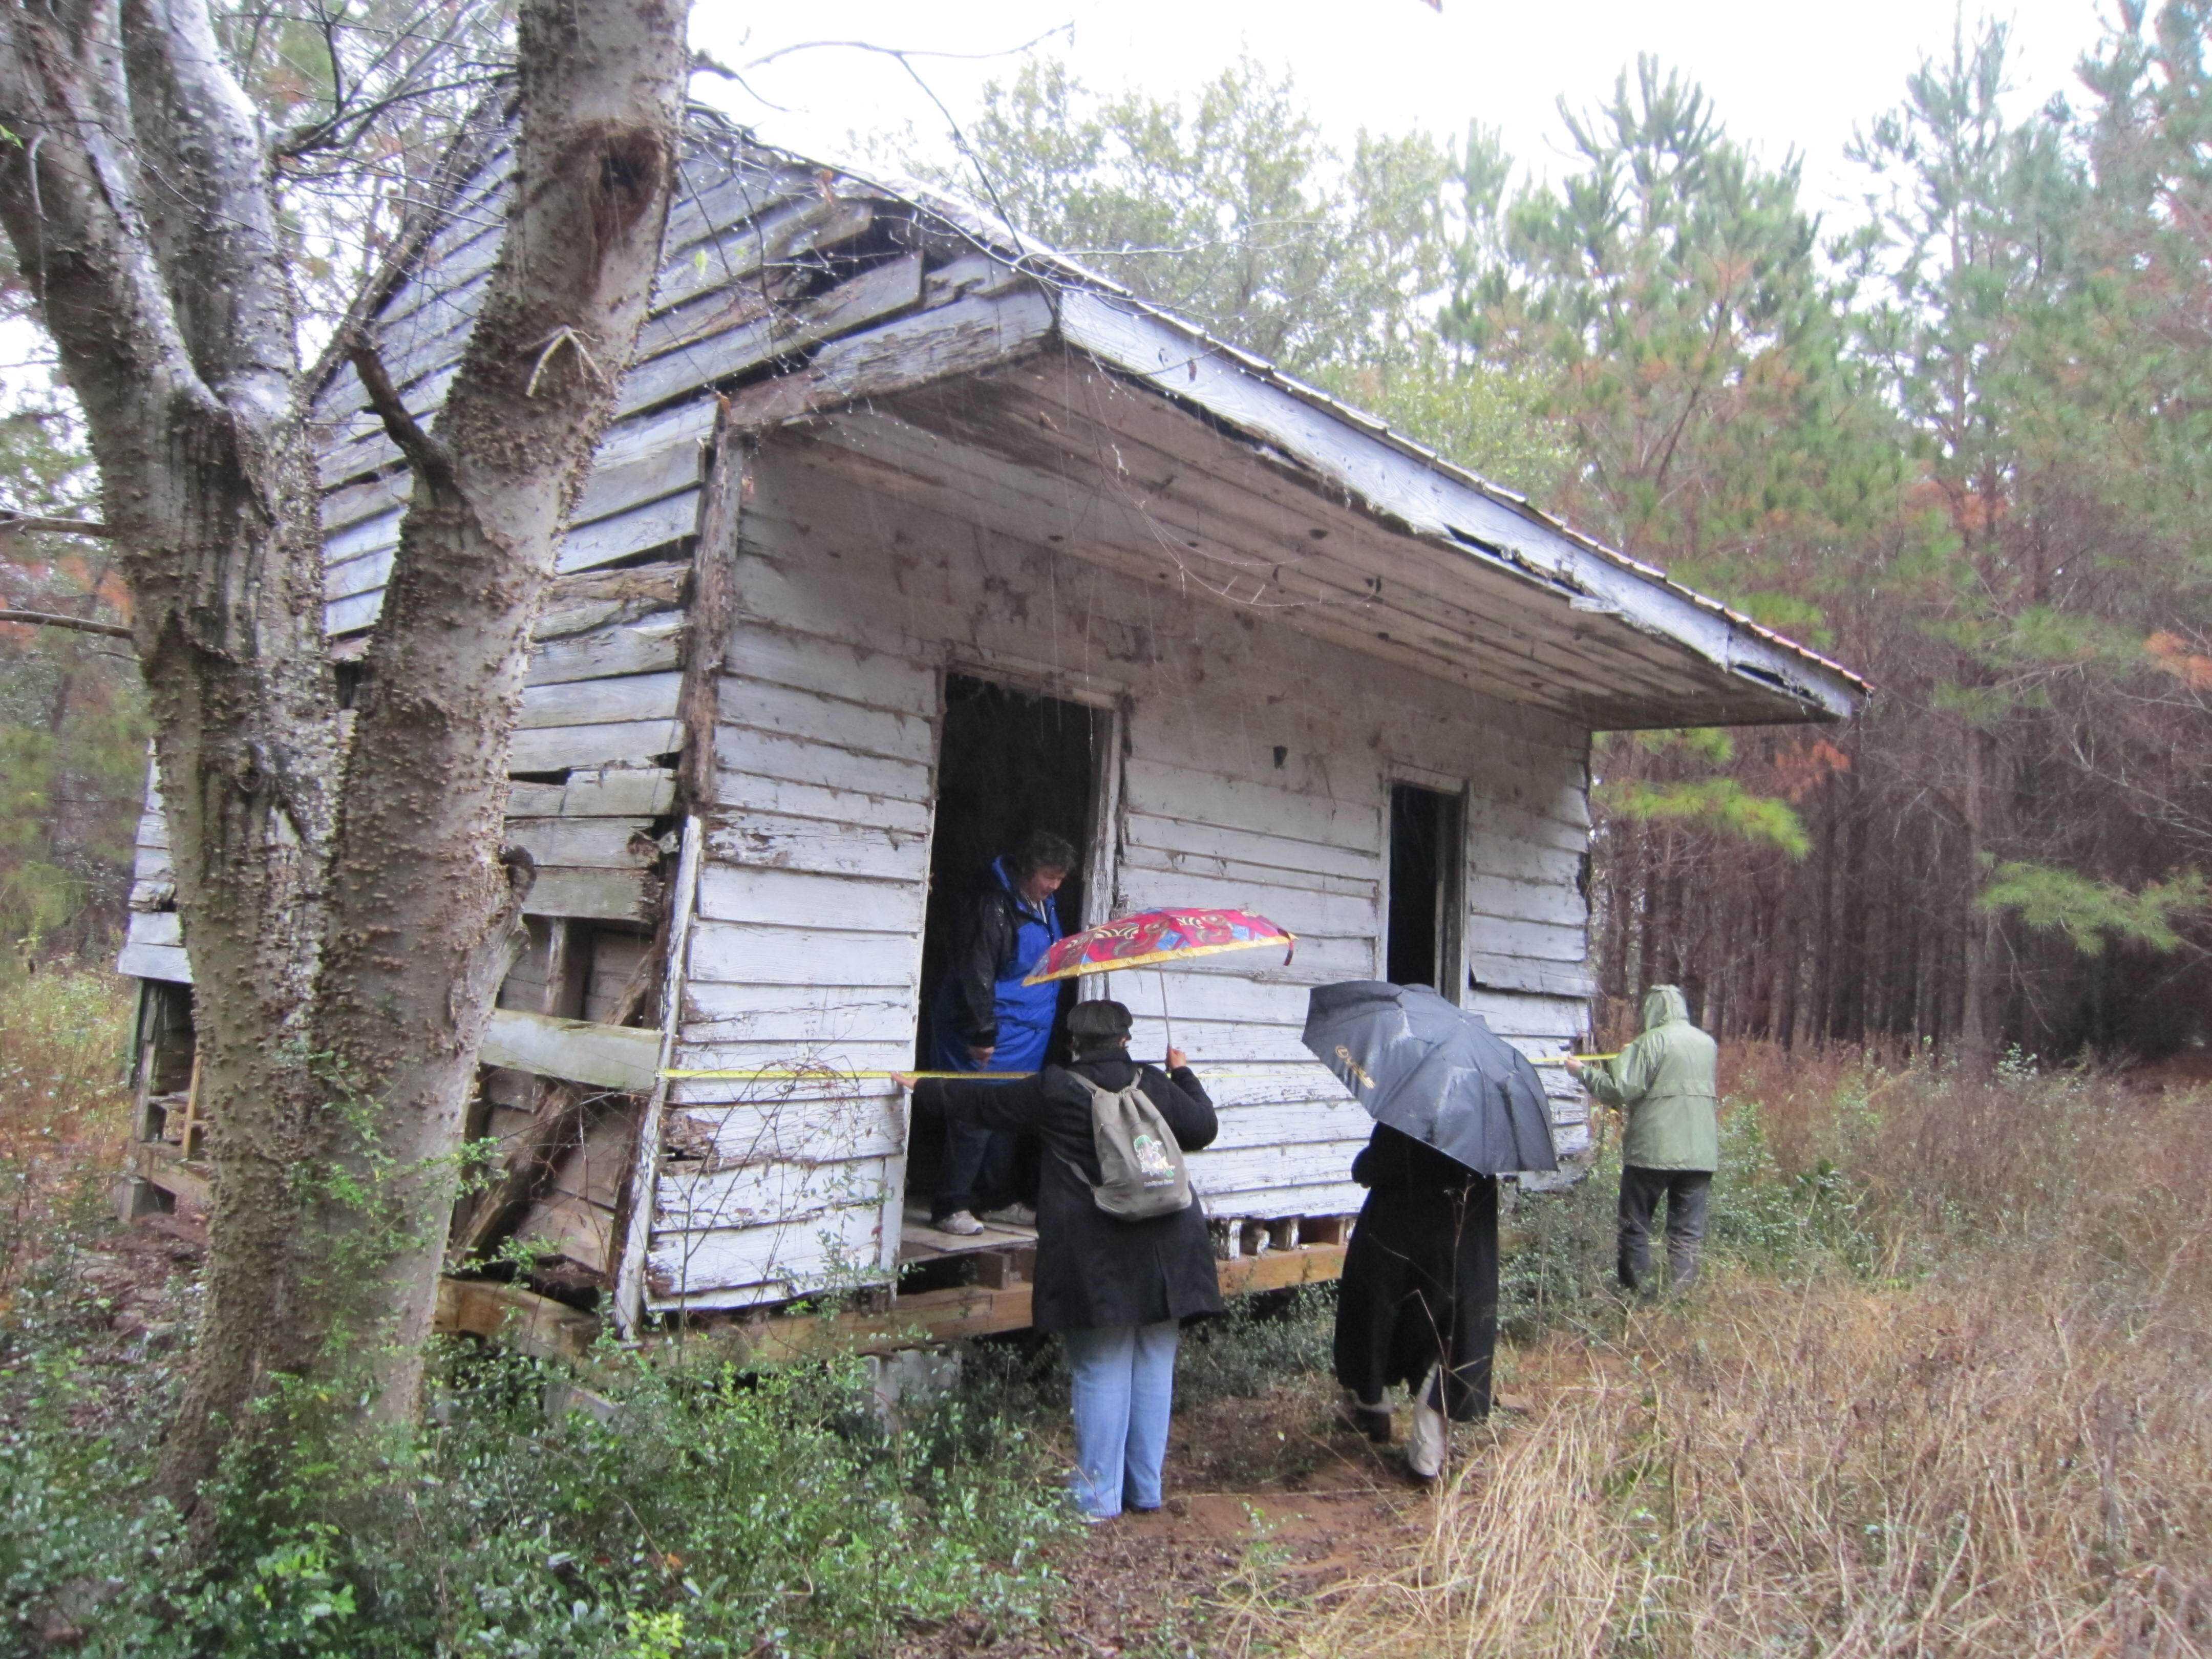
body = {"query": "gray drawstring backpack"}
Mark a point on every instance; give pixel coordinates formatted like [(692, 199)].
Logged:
[(1138, 1157)]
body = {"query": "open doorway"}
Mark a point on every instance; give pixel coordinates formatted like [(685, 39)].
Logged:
[(1428, 861), (1009, 763)]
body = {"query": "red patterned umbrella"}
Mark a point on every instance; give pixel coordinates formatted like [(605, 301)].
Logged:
[(1152, 937)]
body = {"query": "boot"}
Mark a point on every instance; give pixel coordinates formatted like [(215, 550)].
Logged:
[(1425, 1446)]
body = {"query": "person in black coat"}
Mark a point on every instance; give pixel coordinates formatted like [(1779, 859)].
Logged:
[(1419, 1301), (1116, 1292)]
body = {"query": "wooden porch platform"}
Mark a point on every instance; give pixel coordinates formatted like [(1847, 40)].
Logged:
[(1308, 1252), (920, 1242)]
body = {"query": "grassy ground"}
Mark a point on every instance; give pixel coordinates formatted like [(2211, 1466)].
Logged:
[(1945, 1390)]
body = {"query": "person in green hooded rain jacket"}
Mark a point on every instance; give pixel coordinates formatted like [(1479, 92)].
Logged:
[(1664, 1081)]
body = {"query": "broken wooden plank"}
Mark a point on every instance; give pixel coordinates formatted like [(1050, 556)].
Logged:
[(882, 292), (618, 1057), (587, 599), (606, 843)]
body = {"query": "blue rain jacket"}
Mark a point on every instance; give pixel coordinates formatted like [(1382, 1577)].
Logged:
[(1024, 1013)]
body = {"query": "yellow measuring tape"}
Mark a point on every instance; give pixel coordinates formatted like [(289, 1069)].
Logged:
[(768, 1073), (784, 1073)]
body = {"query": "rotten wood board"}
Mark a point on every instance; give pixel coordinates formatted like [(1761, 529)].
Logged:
[(805, 1128), (969, 334), (617, 1057)]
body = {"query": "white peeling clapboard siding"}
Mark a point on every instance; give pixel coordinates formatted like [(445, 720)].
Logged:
[(806, 953), (741, 1267), (795, 1123), (1250, 780)]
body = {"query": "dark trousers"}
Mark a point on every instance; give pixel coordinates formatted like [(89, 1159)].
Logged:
[(984, 1169), (1685, 1192)]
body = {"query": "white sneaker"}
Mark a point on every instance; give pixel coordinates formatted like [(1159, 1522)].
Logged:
[(960, 1223), (1425, 1447), (1010, 1215)]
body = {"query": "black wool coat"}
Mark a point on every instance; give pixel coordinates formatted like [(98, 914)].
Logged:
[(1420, 1281), (1093, 1270)]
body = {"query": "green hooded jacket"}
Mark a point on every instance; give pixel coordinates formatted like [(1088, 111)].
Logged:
[(1664, 1081)]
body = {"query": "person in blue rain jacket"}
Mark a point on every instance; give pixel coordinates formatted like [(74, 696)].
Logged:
[(985, 1019)]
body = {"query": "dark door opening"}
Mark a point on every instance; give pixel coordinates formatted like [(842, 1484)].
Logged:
[(1421, 938), (1008, 762)]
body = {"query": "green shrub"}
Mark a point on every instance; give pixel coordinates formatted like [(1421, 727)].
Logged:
[(767, 1513), (1263, 1339)]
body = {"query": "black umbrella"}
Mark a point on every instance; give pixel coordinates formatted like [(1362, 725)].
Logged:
[(1435, 1072)]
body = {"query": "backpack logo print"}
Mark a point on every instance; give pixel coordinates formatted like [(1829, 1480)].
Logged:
[(1153, 1168)]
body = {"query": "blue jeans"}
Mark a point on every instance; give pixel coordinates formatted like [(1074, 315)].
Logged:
[(1124, 1388)]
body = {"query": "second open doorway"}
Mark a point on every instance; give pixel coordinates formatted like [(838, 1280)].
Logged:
[(1424, 928)]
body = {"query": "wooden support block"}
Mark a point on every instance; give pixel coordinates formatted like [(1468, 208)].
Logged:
[(998, 1268), (1225, 1237), (1252, 1239), (136, 1196), (1282, 1233)]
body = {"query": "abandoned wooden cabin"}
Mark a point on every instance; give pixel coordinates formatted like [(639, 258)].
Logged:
[(908, 536)]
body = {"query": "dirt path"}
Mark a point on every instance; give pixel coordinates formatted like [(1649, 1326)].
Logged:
[(1264, 1497)]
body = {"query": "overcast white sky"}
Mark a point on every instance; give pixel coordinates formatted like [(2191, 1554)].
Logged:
[(1780, 76)]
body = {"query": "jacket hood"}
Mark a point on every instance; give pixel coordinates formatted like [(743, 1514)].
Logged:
[(1663, 1004)]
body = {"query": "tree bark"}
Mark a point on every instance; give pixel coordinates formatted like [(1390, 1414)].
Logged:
[(419, 903), (347, 913)]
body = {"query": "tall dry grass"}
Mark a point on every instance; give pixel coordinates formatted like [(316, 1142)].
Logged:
[(64, 1105), (1996, 1439)]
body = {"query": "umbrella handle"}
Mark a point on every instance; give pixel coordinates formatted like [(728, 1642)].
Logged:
[(1161, 974)]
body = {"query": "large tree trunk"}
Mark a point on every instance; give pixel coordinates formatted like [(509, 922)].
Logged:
[(347, 929), (419, 904)]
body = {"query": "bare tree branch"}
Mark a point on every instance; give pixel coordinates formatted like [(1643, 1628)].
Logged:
[(33, 521), (74, 624), (428, 457)]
